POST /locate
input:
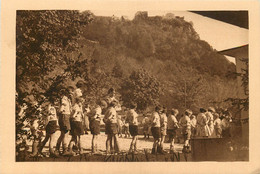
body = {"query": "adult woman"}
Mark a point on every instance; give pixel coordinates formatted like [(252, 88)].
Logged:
[(202, 124)]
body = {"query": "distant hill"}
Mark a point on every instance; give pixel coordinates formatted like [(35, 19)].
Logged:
[(170, 49), (148, 60)]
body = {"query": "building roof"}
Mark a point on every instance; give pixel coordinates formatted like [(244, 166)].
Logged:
[(238, 18), (241, 51)]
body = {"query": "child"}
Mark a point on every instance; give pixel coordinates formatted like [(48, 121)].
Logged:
[(111, 96), (95, 118), (72, 94), (156, 132), (76, 126), (217, 126), (163, 122), (110, 120), (51, 127), (78, 92), (186, 129), (131, 118), (172, 126), (145, 124), (64, 121), (126, 129)]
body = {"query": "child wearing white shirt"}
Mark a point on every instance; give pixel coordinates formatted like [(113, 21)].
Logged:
[(51, 127), (77, 126), (172, 126), (156, 132), (131, 118), (95, 118), (110, 120)]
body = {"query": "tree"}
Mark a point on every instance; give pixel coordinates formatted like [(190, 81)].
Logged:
[(242, 103), (142, 89), (47, 47), (47, 55)]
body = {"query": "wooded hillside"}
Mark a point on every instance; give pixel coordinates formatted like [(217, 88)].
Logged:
[(148, 60)]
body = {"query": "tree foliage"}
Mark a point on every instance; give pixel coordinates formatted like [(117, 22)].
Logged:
[(47, 47), (171, 50), (142, 89), (57, 48), (242, 103)]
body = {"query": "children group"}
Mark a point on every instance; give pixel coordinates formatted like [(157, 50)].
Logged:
[(69, 117)]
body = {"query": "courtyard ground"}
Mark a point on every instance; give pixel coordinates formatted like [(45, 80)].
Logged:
[(124, 143)]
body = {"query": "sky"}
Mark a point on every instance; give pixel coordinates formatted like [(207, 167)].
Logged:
[(218, 34)]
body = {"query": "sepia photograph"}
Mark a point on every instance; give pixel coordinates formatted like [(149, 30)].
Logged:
[(132, 87), (129, 86)]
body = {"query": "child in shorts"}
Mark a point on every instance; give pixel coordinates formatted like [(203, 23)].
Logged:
[(95, 118), (163, 122), (155, 129), (186, 129), (110, 120), (51, 127), (64, 121), (76, 126), (172, 126), (131, 118)]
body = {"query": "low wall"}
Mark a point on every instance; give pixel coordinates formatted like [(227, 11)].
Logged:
[(216, 149)]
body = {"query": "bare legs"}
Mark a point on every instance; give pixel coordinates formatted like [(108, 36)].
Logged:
[(80, 145), (133, 145), (172, 144), (64, 139), (75, 140), (155, 145), (109, 143), (116, 143), (51, 144), (112, 144), (94, 143), (162, 141)]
